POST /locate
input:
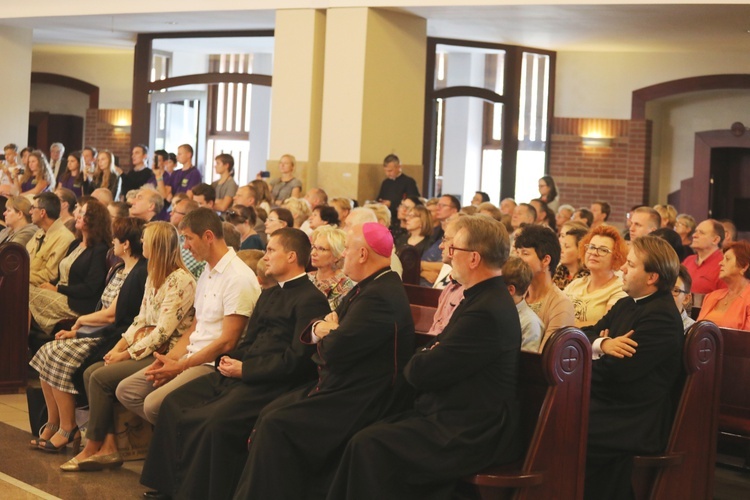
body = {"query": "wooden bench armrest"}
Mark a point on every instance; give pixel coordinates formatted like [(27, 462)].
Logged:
[(507, 476), (669, 460)]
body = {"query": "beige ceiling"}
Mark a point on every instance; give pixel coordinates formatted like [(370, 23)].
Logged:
[(619, 28)]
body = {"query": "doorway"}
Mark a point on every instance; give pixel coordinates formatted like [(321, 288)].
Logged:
[(730, 186)]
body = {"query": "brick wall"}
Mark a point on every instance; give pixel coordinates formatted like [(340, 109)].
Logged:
[(618, 174), (109, 129)]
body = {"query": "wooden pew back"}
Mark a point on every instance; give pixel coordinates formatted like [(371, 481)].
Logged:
[(14, 316), (685, 469), (734, 406), (554, 390)]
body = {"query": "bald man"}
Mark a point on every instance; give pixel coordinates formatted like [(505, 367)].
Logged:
[(362, 348)]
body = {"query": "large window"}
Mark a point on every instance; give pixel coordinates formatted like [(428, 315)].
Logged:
[(487, 114), (211, 90)]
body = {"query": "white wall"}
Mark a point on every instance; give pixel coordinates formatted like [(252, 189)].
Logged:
[(58, 100), (15, 57), (676, 121), (111, 70), (601, 84)]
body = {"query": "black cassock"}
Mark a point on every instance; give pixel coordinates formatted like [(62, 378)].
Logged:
[(632, 399), (298, 439), (200, 441), (465, 417)]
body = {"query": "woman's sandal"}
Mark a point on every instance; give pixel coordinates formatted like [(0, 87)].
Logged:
[(72, 436), (37, 442)]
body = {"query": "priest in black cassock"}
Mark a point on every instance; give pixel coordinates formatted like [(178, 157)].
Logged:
[(396, 187), (466, 414), (362, 348), (200, 440), (636, 373)]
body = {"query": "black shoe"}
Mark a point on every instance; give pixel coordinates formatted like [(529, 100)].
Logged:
[(156, 495)]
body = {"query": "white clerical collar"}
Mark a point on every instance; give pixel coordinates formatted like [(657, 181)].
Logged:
[(644, 297), (281, 283)]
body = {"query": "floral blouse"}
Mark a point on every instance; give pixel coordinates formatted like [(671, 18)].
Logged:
[(562, 277), (334, 288), (170, 309)]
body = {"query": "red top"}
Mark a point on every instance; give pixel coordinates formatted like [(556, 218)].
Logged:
[(706, 274)]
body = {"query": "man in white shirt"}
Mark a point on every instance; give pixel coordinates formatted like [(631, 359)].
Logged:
[(225, 297)]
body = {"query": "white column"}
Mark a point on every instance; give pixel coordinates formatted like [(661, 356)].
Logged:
[(260, 116), (15, 58), (462, 155)]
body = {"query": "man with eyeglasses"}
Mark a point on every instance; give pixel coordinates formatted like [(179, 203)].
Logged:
[(637, 350), (465, 416), (447, 207), (682, 297), (179, 211), (50, 243)]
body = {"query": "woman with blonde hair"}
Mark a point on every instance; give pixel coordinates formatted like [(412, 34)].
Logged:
[(668, 215), (19, 228), (166, 313), (326, 256), (300, 210), (105, 175), (287, 185), (37, 177), (343, 206), (604, 251)]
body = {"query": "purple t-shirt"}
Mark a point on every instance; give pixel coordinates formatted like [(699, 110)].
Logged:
[(182, 181)]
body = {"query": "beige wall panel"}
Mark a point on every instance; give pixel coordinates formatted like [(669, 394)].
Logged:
[(393, 106)]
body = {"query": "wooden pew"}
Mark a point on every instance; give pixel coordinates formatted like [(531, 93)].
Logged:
[(734, 406), (686, 468), (423, 302), (14, 316), (554, 389)]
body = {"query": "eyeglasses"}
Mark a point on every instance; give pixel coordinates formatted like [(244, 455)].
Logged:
[(32, 207), (178, 212), (600, 251), (676, 291), (452, 249), (319, 249)]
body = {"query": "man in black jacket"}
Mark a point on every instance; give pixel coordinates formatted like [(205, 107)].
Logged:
[(465, 416), (637, 349), (362, 348)]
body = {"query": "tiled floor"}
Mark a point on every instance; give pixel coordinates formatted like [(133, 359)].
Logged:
[(14, 412), (729, 484)]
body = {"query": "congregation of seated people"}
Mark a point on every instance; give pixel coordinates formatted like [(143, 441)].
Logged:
[(263, 330)]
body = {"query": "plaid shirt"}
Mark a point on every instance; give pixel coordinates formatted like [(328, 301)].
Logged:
[(195, 267)]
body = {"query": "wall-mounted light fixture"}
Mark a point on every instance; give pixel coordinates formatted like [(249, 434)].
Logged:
[(597, 142), (120, 119)]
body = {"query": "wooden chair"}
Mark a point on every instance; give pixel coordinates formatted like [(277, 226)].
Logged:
[(555, 389), (734, 404), (686, 468), (14, 315)]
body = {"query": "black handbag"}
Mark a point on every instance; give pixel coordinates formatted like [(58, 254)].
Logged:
[(37, 409)]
